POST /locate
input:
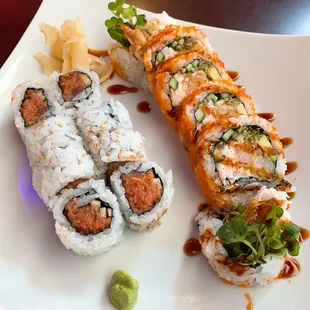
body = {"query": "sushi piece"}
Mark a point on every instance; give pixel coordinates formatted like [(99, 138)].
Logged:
[(251, 244), (144, 193), (108, 135), (73, 87), (57, 156), (179, 76), (172, 41), (209, 103), (234, 157), (88, 219)]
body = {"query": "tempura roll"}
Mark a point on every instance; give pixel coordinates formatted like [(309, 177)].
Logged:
[(233, 158), (268, 239), (88, 219), (179, 76), (144, 193), (209, 103), (171, 41)]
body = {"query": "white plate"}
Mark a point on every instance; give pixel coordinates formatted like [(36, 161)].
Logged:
[(37, 272)]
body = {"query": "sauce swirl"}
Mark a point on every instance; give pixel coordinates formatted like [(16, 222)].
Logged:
[(304, 234), (291, 268), (192, 247), (286, 141), (234, 75), (118, 89), (144, 107), (291, 167), (291, 195), (250, 302), (268, 116)]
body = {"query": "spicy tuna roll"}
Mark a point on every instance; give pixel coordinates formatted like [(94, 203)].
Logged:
[(179, 76), (73, 87), (88, 219), (173, 40), (209, 103), (266, 242), (236, 156), (144, 193)]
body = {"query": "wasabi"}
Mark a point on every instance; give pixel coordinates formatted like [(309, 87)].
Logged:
[(123, 291)]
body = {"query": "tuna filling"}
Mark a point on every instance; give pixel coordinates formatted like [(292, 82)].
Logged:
[(90, 219), (245, 156), (33, 106), (190, 77), (225, 104), (143, 190), (73, 83)]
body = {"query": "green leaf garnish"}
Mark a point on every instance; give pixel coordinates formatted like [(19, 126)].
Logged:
[(123, 16), (249, 244)]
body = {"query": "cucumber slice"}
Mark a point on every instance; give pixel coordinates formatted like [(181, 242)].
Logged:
[(224, 96), (211, 97), (213, 74), (189, 68), (181, 41), (173, 83), (160, 56), (239, 130), (235, 135), (199, 115), (228, 134), (179, 47), (274, 158), (195, 63), (174, 44), (241, 109)]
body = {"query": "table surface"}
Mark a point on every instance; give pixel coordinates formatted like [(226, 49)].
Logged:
[(265, 16)]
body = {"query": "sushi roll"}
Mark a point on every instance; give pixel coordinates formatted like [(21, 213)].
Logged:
[(234, 157), (209, 103), (171, 41), (108, 135), (57, 156), (144, 193), (181, 75), (73, 87), (266, 239), (88, 219)]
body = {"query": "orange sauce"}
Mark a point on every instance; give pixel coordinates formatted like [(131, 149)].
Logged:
[(268, 116), (289, 269), (98, 53), (203, 207), (192, 247), (291, 195), (291, 167), (304, 234), (250, 302), (144, 107), (286, 141), (234, 75), (118, 89)]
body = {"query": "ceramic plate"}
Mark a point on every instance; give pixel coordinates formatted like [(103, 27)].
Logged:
[(37, 272)]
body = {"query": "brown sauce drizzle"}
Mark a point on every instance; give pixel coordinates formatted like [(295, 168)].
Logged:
[(289, 269), (291, 167), (98, 53), (268, 116), (192, 247), (203, 207), (291, 195), (249, 306), (241, 86), (286, 141), (234, 75), (144, 107), (118, 89), (304, 234)]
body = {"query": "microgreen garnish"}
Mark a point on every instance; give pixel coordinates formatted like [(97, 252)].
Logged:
[(250, 243), (123, 16)]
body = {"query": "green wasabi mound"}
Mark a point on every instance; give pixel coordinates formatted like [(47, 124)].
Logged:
[(123, 291)]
